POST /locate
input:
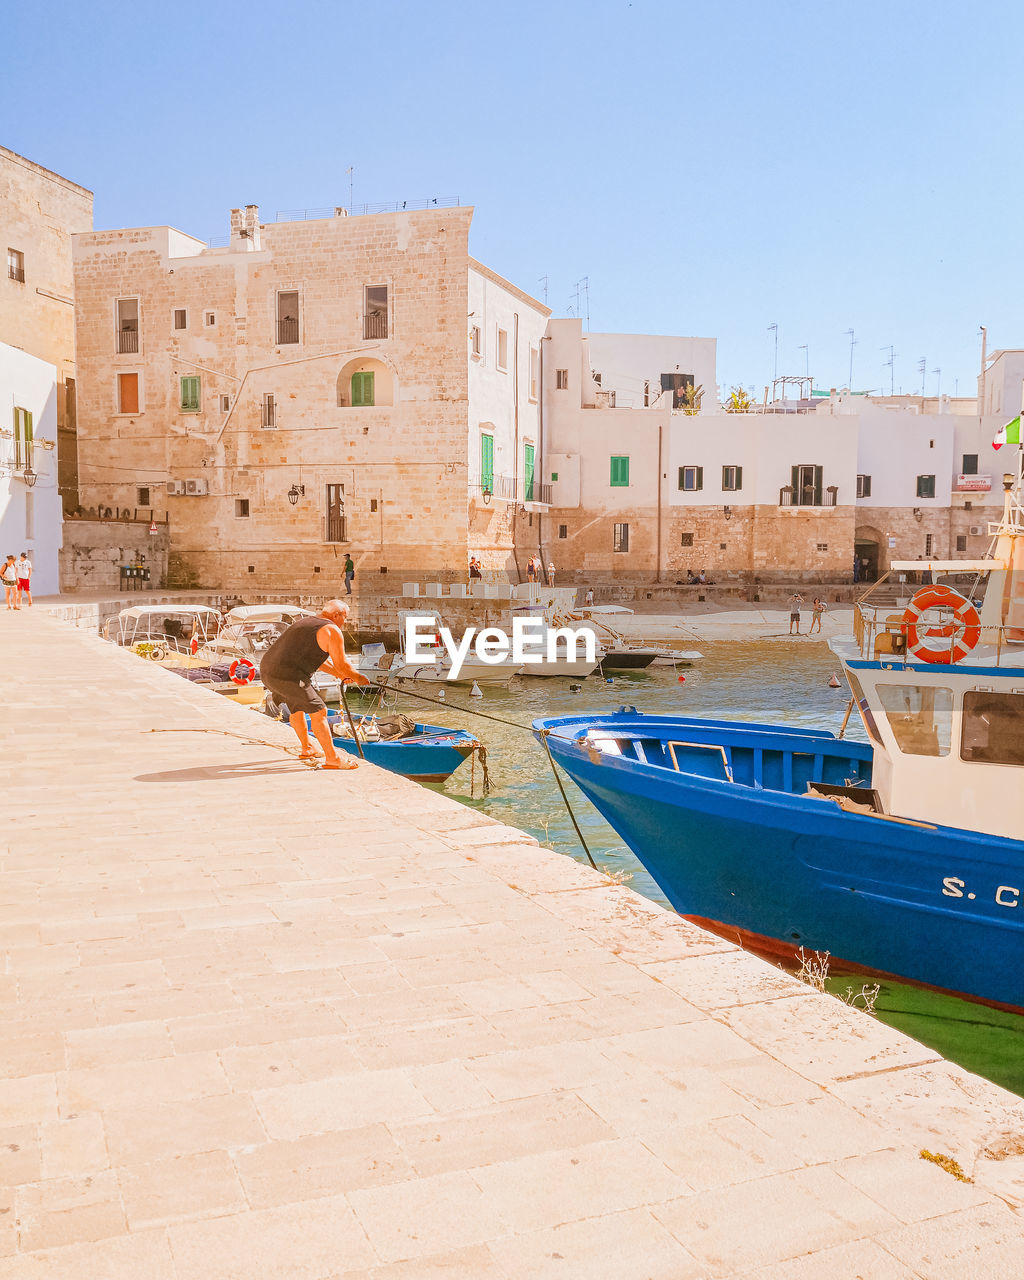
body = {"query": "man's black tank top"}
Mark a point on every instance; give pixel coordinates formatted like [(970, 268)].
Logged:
[(295, 654)]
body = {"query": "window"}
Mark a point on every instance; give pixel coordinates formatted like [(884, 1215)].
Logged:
[(241, 508), (620, 472), (822, 546), (563, 531), (475, 341), (127, 324), (373, 505), (180, 318), (22, 439), (806, 482), (928, 544), (691, 479), (554, 476), (191, 394), (620, 537), (926, 486), (920, 717), (287, 318), (128, 393), (993, 731), (225, 403), (561, 379), (335, 530), (268, 417), (529, 495), (362, 389), (732, 479), (686, 539), (503, 349), (487, 463), (863, 486), (375, 311), (970, 465), (680, 384), (534, 372), (142, 495), (16, 265), (961, 542), (211, 318)]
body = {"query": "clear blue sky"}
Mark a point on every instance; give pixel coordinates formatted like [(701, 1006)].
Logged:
[(713, 169)]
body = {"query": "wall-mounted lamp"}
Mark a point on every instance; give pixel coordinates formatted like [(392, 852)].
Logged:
[(727, 512), (1008, 479), (296, 492), (918, 514), (29, 476)]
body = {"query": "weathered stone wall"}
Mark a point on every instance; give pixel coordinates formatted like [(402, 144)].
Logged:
[(402, 465), (911, 532), (95, 550), (39, 211)]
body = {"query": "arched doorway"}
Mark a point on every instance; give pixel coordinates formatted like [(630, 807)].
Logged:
[(869, 550)]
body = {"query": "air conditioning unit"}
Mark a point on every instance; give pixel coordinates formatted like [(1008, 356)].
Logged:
[(975, 530), (175, 488), (197, 487)]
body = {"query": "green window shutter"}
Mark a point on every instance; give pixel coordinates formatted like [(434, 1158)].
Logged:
[(487, 463), (17, 439), (619, 472), (818, 474), (682, 471), (739, 477), (528, 454), (700, 477), (796, 484), (362, 389), (190, 394)]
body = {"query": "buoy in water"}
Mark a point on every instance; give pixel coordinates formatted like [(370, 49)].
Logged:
[(476, 691), (575, 688), (608, 680), (682, 679), (440, 695), (834, 682)]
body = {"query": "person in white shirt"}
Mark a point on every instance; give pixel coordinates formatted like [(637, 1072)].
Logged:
[(24, 571), (9, 577)]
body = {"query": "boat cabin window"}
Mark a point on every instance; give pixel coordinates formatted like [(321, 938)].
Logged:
[(864, 708), (993, 731), (920, 716)]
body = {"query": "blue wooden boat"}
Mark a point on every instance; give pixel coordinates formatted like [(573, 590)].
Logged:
[(903, 855), (430, 753)]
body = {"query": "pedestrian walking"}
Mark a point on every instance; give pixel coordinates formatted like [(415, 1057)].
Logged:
[(551, 573), (24, 569), (795, 605), (474, 568), (818, 607), (287, 667), (531, 569), (588, 599), (9, 577), (350, 573)]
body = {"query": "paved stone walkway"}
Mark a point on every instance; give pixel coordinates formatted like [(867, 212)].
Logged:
[(264, 1023)]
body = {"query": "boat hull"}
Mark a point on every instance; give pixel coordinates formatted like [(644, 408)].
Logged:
[(928, 904), (627, 659), (425, 757)]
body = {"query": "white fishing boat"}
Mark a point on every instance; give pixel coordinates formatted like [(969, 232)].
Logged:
[(676, 657), (165, 627)]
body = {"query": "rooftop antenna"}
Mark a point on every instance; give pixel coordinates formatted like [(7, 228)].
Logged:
[(922, 365), (774, 328), (891, 362), (351, 186), (584, 283), (938, 383), (807, 359), (853, 343), (544, 281)]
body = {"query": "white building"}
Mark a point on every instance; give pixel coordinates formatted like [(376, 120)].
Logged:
[(30, 504)]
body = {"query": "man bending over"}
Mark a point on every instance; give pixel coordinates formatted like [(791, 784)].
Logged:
[(287, 668)]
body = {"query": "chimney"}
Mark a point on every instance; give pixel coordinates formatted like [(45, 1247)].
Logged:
[(245, 229)]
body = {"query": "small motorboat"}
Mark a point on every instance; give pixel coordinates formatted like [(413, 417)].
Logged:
[(676, 657), (617, 653)]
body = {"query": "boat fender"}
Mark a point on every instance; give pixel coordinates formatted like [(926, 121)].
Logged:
[(682, 679), (608, 680), (157, 653), (966, 620), (194, 646), (242, 671), (476, 691), (834, 681), (440, 695)]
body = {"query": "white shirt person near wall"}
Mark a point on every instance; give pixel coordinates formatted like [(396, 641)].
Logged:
[(23, 567)]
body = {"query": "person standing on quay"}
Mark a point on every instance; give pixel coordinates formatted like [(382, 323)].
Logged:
[(350, 573), (551, 573), (818, 607), (795, 604), (287, 668), (24, 569), (9, 576)]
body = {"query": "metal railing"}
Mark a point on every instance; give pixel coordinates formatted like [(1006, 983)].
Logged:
[(16, 273), (375, 324), (335, 529), (287, 331), (269, 414), (364, 210), (127, 340), (509, 489), (808, 497)]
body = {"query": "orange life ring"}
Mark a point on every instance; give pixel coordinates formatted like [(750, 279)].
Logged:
[(242, 671), (965, 621)]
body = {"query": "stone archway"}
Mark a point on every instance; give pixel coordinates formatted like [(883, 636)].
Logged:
[(871, 550), (367, 382)]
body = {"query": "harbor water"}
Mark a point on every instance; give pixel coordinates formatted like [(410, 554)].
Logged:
[(774, 680)]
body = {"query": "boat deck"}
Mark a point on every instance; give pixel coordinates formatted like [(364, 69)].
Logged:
[(266, 1021)]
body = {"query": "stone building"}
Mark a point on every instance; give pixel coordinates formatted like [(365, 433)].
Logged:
[(39, 213), (313, 389), (643, 489)]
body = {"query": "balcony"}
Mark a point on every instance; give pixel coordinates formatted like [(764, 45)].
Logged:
[(808, 496), (127, 340), (508, 489), (335, 528), (16, 273), (375, 324), (287, 332)]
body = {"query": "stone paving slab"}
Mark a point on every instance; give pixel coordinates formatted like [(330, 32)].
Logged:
[(264, 1021)]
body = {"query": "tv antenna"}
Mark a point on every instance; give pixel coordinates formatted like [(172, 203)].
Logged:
[(853, 343), (807, 358), (774, 328), (938, 383), (922, 365), (544, 281), (891, 362)]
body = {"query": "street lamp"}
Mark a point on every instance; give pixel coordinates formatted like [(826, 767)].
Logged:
[(296, 492), (29, 476)]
